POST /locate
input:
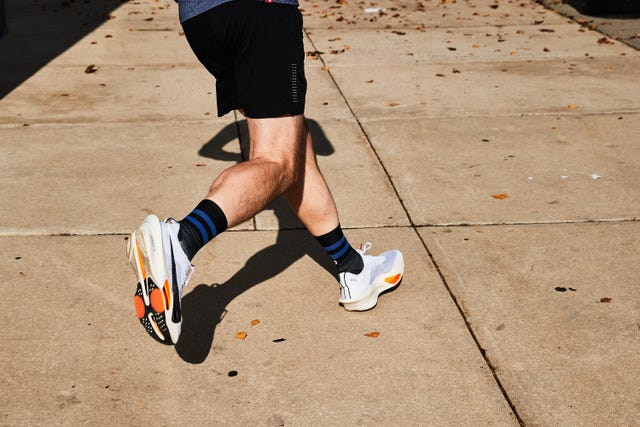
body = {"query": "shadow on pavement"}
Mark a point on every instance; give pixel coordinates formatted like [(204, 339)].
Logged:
[(205, 306), (37, 31), (618, 9)]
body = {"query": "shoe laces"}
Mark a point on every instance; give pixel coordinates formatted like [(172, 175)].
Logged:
[(371, 260), (364, 247)]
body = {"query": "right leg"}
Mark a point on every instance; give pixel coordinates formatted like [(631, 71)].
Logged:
[(309, 197), (362, 277)]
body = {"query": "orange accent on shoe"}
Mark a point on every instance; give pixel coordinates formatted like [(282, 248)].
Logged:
[(167, 293), (393, 279), (157, 302), (138, 302), (142, 269)]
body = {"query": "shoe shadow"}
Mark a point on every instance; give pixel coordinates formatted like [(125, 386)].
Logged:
[(205, 306)]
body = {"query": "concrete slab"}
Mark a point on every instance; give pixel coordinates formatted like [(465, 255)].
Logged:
[(320, 370), (105, 46), (141, 93), (411, 14), (583, 86), (105, 178), (553, 169), (359, 184), (556, 309), (112, 94), (355, 46)]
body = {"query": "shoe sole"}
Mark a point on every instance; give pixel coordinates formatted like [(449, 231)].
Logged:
[(153, 293), (382, 283)]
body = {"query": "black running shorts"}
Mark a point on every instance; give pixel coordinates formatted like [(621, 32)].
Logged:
[(255, 51)]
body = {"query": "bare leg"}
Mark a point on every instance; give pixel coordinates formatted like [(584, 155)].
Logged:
[(309, 196), (276, 160)]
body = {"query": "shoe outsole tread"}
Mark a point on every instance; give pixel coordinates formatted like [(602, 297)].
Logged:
[(151, 302)]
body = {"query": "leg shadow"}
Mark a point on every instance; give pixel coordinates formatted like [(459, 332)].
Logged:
[(205, 306)]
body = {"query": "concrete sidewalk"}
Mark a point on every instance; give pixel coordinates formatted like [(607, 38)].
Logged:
[(496, 143)]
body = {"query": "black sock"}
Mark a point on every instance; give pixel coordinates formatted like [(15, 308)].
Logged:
[(204, 223), (341, 252)]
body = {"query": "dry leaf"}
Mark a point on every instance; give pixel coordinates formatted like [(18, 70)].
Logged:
[(254, 322), (325, 68), (91, 69), (374, 334), (500, 196), (605, 300), (393, 104), (241, 335), (572, 106), (200, 165)]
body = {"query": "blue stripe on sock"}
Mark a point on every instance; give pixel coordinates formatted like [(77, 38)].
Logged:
[(342, 251), (200, 227), (208, 220), (335, 245)]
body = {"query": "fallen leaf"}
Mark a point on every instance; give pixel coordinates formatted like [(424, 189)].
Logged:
[(207, 113), (400, 33), (325, 68), (393, 104), (374, 334), (91, 69), (254, 322), (200, 165), (500, 196), (369, 81), (280, 340), (605, 300), (439, 75), (456, 71), (572, 106), (241, 335), (314, 54)]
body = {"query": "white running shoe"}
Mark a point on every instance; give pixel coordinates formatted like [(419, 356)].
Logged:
[(359, 292), (162, 270)]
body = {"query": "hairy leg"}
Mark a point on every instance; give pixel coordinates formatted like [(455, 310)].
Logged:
[(309, 196), (276, 160)]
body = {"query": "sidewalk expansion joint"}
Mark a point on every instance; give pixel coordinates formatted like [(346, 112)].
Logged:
[(525, 223), (496, 378), (437, 267)]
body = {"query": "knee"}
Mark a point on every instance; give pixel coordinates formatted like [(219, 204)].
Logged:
[(292, 169)]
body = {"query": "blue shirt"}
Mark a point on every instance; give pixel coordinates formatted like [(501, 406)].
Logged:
[(189, 8)]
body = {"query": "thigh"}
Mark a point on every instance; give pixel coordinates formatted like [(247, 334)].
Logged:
[(279, 139)]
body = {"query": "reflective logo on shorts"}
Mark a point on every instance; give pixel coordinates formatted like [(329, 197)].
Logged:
[(294, 83)]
